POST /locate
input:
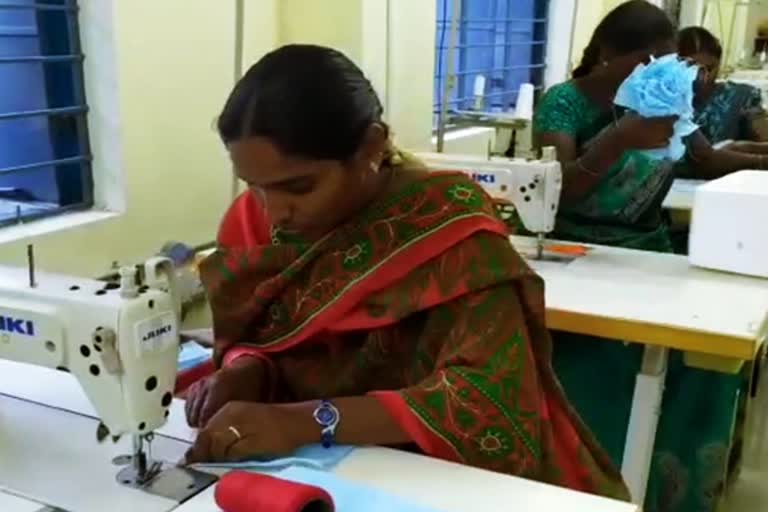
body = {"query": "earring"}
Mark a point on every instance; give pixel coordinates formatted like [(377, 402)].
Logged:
[(374, 167)]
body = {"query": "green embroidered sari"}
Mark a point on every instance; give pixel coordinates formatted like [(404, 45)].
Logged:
[(624, 209), (727, 115), (421, 302), (729, 112), (693, 440)]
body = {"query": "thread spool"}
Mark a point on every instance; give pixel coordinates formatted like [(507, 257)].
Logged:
[(524, 106), (479, 92), (129, 289), (240, 491)]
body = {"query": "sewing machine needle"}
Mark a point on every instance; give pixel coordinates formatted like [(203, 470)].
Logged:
[(539, 246)]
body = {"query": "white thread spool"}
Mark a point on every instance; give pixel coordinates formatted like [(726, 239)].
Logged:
[(524, 106), (479, 91)]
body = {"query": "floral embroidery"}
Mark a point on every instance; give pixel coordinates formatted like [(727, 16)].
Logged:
[(464, 194), (357, 256), (494, 442)]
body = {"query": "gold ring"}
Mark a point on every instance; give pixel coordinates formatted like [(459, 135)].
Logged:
[(236, 432)]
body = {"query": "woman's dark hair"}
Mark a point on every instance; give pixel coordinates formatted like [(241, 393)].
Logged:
[(630, 27), (693, 40), (311, 101)]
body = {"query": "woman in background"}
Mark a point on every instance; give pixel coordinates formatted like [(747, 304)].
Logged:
[(359, 299), (612, 195), (612, 190), (725, 111), (730, 115)]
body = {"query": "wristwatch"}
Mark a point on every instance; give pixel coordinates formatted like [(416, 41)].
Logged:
[(327, 416)]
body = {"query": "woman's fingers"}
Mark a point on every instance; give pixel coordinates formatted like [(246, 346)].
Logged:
[(240, 451), (216, 446), (223, 443), (200, 451), (198, 402), (192, 393), (212, 404)]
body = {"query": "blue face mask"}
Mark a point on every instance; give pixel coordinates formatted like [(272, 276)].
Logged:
[(663, 87), (312, 456)]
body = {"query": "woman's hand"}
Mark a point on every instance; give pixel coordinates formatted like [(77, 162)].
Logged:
[(242, 381), (745, 146), (247, 430), (636, 132)]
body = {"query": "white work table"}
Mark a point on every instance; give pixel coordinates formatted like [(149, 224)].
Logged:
[(659, 300), (12, 503), (48, 452), (680, 196), (655, 299)]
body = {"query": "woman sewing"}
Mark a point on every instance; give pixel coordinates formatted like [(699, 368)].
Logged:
[(612, 195), (726, 112), (730, 115), (612, 191), (358, 299)]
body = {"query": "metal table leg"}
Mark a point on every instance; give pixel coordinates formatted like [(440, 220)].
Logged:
[(643, 420)]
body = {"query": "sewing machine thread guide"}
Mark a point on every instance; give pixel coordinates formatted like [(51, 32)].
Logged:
[(31, 265)]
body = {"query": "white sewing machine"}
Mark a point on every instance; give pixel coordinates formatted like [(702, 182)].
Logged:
[(120, 341), (725, 224), (532, 186)]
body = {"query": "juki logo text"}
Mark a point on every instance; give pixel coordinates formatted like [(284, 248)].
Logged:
[(484, 178), (13, 325), (156, 333)]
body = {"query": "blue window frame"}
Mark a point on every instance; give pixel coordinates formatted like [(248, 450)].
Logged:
[(44, 153), (503, 40)]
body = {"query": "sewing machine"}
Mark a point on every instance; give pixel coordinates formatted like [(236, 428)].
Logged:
[(532, 186), (120, 340), (725, 233)]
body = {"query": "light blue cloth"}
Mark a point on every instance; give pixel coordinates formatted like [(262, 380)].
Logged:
[(662, 88), (311, 456), (193, 354), (349, 496)]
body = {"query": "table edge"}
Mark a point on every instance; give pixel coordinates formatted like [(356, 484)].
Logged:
[(687, 340)]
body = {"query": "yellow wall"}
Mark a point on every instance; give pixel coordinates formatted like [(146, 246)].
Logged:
[(261, 28), (720, 16), (588, 15), (391, 40), (736, 26), (411, 71), (175, 68), (334, 23)]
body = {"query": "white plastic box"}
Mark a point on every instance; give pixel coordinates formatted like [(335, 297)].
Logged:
[(729, 224)]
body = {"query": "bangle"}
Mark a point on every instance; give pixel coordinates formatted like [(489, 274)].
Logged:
[(584, 169)]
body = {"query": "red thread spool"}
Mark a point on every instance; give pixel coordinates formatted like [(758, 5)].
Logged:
[(240, 491)]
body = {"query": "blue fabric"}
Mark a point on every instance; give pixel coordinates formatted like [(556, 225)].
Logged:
[(664, 87), (349, 496), (311, 456), (193, 354)]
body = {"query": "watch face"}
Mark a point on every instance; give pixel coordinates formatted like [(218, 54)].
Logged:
[(326, 416)]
